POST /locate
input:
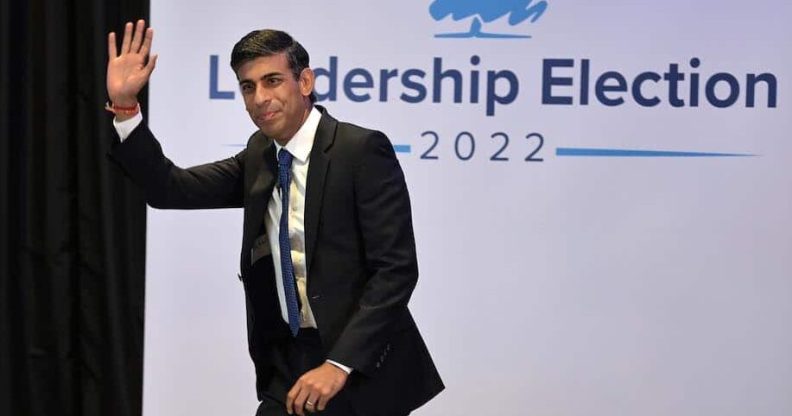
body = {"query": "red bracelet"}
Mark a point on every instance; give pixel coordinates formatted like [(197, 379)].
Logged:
[(127, 111)]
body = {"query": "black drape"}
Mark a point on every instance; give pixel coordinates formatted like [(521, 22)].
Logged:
[(72, 230)]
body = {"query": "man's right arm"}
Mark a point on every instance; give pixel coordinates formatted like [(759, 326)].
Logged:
[(213, 185)]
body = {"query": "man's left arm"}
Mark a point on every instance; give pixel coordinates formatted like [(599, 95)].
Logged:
[(385, 220)]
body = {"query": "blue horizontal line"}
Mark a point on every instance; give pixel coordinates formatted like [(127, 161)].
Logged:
[(398, 148), (402, 148), (589, 152), (468, 35)]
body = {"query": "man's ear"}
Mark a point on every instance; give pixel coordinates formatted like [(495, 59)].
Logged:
[(307, 80)]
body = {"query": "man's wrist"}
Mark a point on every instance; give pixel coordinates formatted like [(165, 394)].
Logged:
[(128, 102), (123, 112)]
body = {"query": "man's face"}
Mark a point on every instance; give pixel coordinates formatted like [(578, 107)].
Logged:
[(276, 101)]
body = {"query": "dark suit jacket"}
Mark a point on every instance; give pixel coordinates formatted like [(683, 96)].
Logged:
[(360, 252)]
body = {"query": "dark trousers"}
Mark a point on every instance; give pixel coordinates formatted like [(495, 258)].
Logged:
[(290, 360)]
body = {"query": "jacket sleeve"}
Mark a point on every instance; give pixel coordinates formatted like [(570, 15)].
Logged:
[(385, 221), (212, 185)]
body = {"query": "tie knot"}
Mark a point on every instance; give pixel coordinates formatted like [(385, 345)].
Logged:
[(285, 158)]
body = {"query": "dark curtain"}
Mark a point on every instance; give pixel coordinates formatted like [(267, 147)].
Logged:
[(72, 230)]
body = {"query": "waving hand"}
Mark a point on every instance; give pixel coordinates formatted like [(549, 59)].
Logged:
[(129, 69)]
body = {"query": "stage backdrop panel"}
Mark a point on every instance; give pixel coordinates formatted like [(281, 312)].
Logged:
[(602, 197)]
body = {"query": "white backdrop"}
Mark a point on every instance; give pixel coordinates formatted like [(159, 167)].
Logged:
[(570, 286)]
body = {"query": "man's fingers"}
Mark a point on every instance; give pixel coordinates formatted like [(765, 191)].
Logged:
[(299, 402), (111, 46), (290, 398), (144, 50), (137, 37), (127, 38), (315, 400), (152, 62), (322, 402), (318, 387)]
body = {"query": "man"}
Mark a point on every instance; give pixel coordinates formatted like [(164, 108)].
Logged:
[(328, 254)]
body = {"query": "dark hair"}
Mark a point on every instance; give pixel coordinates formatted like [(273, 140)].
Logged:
[(268, 42)]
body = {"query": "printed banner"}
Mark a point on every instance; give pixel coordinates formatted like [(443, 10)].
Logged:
[(602, 197)]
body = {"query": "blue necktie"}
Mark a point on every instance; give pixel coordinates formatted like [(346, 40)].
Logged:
[(287, 268)]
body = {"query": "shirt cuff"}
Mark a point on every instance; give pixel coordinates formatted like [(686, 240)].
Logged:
[(124, 128), (341, 366)]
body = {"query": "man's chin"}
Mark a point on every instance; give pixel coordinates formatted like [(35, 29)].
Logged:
[(267, 129)]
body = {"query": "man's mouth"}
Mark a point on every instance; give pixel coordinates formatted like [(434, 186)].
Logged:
[(266, 116)]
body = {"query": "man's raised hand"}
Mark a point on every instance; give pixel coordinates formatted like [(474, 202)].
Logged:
[(129, 70)]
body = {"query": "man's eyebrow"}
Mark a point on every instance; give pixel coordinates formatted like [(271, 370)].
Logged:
[(265, 76)]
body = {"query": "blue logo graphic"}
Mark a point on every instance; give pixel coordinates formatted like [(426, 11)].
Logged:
[(488, 11)]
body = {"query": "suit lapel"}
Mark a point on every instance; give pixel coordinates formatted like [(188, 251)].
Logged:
[(264, 167), (317, 171)]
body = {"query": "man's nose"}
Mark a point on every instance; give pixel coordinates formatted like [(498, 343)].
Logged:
[(263, 95)]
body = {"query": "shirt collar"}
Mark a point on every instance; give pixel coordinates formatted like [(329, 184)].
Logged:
[(301, 143)]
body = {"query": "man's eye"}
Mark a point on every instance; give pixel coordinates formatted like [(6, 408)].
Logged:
[(273, 81), (247, 88)]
